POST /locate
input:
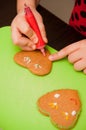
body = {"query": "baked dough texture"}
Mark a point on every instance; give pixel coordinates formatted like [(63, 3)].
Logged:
[(62, 106), (34, 61)]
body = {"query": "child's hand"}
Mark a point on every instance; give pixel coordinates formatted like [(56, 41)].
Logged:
[(76, 53), (23, 35)]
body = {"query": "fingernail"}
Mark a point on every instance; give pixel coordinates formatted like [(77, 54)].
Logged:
[(51, 57)]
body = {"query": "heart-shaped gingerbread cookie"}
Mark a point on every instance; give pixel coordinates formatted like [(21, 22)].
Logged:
[(63, 106), (35, 61)]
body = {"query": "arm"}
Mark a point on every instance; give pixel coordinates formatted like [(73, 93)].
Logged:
[(22, 34), (30, 3)]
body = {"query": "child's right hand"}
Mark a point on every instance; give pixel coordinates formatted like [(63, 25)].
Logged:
[(22, 33)]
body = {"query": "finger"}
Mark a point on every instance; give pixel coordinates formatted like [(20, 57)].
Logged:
[(28, 48), (41, 28), (43, 32), (84, 71), (64, 52), (25, 29), (75, 56), (80, 65), (21, 40)]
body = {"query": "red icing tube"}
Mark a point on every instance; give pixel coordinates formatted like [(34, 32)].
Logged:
[(32, 21)]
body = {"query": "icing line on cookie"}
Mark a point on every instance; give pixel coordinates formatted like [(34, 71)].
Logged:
[(53, 105), (66, 115), (74, 100), (27, 59), (37, 66)]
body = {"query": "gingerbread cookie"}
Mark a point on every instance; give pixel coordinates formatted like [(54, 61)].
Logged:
[(35, 61), (63, 107)]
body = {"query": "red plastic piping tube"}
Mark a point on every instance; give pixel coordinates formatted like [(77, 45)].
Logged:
[(32, 21)]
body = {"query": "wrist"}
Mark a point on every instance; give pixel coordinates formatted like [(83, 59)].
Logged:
[(31, 3)]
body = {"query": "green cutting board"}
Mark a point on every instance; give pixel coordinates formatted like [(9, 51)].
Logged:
[(20, 89)]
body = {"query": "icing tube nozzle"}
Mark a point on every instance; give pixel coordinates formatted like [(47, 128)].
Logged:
[(43, 51)]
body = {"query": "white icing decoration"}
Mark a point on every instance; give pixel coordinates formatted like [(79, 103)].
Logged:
[(66, 113), (55, 103), (73, 113), (37, 66), (27, 59), (57, 95)]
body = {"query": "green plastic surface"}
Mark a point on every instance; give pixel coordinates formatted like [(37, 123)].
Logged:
[(20, 89)]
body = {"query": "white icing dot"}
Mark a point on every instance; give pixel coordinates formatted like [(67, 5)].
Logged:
[(73, 113), (55, 103), (66, 113), (57, 95)]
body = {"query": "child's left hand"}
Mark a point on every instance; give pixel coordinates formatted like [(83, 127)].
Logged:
[(76, 53)]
